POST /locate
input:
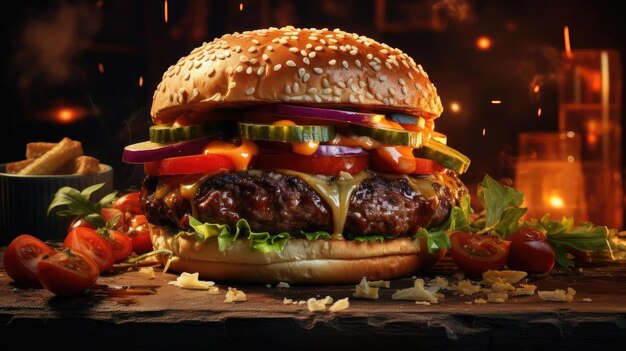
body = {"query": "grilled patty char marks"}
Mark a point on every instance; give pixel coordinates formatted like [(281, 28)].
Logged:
[(274, 202)]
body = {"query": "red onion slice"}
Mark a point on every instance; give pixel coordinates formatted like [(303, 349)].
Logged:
[(148, 151), (324, 114)]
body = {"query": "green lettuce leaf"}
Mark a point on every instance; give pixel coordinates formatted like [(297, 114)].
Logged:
[(262, 241), (459, 219), (501, 204), (203, 231), (380, 238)]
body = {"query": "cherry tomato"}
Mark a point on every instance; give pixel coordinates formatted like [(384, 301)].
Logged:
[(79, 221), (121, 244), (88, 242), (422, 165), (67, 272), (478, 253), (330, 165), (113, 218), (128, 203), (21, 258), (140, 235), (530, 251), (194, 164)]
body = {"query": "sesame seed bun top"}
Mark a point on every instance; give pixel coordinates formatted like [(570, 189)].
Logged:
[(316, 67)]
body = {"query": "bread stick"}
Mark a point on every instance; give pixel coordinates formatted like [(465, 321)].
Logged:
[(36, 149), (54, 158), (14, 167)]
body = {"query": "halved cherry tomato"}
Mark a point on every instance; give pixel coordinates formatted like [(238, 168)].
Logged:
[(121, 244), (113, 218), (194, 164), (67, 272), (128, 203), (478, 253), (330, 165), (140, 235), (89, 242), (530, 251), (21, 258), (422, 165)]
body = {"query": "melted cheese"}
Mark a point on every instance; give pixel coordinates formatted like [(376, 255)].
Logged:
[(336, 192), (307, 148), (240, 155), (423, 186)]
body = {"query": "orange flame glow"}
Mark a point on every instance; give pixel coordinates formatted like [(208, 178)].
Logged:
[(101, 67), (484, 131), (241, 7), (539, 112), (165, 11), (496, 102), (68, 114), (483, 43), (568, 48), (140, 81), (536, 89), (455, 107)]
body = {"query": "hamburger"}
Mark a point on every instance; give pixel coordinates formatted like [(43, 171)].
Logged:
[(306, 156)]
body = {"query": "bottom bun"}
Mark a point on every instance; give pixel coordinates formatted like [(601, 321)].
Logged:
[(300, 262)]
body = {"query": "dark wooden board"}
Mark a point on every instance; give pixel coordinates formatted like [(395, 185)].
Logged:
[(177, 318)]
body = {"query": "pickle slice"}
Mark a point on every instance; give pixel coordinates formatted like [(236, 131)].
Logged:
[(444, 155), (297, 134), (165, 133), (390, 136)]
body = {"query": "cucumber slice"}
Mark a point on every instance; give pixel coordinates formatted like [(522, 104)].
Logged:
[(297, 134), (444, 155), (390, 136), (165, 133)]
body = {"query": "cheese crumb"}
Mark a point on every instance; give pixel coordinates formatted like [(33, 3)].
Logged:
[(315, 305), (190, 281), (465, 287), (558, 295), (268, 285), (234, 295), (524, 289), (282, 285), (365, 291), (417, 293), (440, 282), (425, 303), (340, 305), (502, 287), (380, 283), (148, 272), (287, 301), (301, 302), (479, 300), (587, 299), (498, 297), (491, 277)]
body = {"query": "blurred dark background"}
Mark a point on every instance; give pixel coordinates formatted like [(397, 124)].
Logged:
[(87, 69)]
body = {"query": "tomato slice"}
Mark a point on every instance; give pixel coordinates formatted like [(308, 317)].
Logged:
[(22, 256), (128, 203), (530, 251), (89, 242), (67, 273), (193, 164), (422, 165), (139, 235), (329, 165), (121, 244), (478, 253)]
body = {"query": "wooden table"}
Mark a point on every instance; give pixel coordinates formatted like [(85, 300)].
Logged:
[(177, 319)]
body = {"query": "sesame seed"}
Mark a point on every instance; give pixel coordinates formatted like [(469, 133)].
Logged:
[(306, 77), (296, 87), (404, 90), (334, 47), (361, 98), (249, 70), (341, 84), (253, 61), (312, 54), (306, 60), (405, 64), (270, 48), (302, 52), (353, 52), (369, 95), (198, 64), (282, 41), (231, 85), (260, 71), (392, 91), (325, 83), (308, 46), (317, 98), (294, 37), (386, 101), (354, 88), (250, 91), (352, 99), (288, 89), (357, 63), (388, 64), (332, 62), (377, 60), (238, 69), (318, 70), (293, 49), (312, 90), (319, 48), (379, 96), (401, 81), (229, 70), (237, 49), (372, 63), (277, 67), (345, 64), (243, 58), (337, 92), (332, 40), (312, 38), (290, 63), (301, 72), (343, 48), (323, 41), (211, 71), (255, 41), (265, 57), (377, 68), (410, 75), (252, 49), (384, 51), (362, 84), (187, 76), (370, 56), (327, 91)]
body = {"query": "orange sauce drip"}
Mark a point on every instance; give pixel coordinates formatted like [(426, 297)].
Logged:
[(240, 155), (306, 148), (401, 157)]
